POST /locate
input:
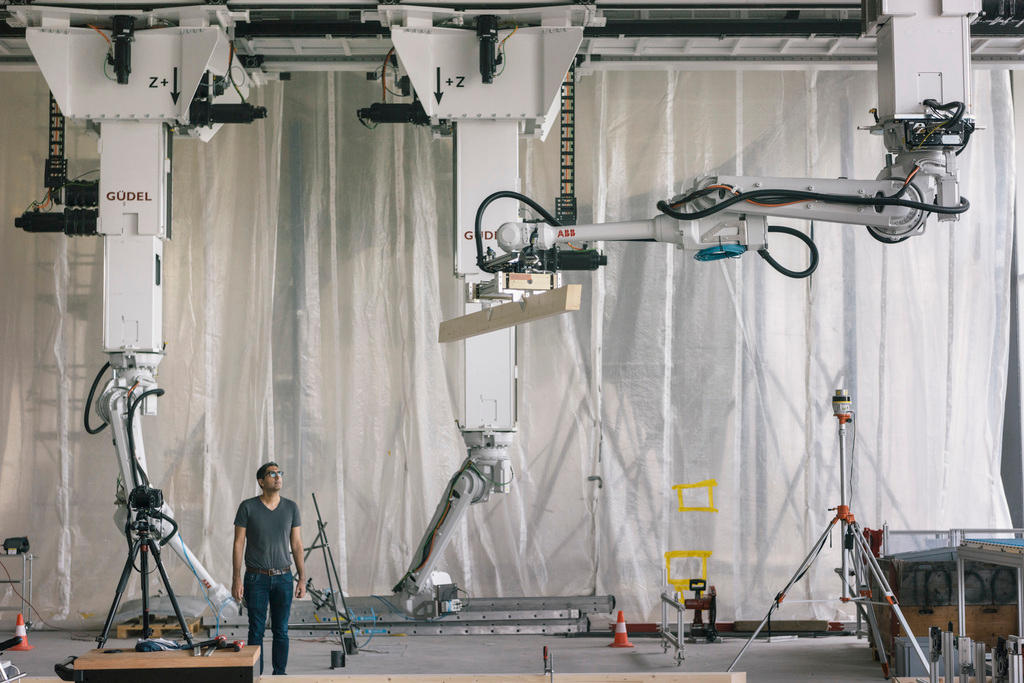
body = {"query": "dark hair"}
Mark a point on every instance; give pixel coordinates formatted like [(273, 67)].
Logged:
[(262, 471)]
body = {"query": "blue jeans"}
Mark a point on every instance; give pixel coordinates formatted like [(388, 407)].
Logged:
[(259, 590)]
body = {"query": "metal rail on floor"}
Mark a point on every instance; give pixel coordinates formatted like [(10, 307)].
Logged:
[(480, 616)]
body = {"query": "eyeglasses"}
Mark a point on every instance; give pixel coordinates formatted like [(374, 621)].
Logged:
[(275, 475)]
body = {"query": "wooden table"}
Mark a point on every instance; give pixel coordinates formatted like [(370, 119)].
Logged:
[(170, 666)]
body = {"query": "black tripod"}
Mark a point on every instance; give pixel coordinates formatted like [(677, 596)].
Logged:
[(146, 502)]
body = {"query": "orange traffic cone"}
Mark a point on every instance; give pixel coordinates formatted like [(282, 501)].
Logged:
[(621, 637), (19, 630)]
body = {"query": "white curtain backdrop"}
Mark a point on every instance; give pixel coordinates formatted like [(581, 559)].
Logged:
[(310, 266)]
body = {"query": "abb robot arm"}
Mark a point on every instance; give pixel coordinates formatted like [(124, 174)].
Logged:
[(924, 115)]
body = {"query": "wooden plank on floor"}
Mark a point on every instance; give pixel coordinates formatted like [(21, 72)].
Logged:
[(561, 300), (100, 660), (681, 677), (780, 625)]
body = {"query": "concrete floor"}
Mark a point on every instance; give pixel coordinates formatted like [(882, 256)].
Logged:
[(839, 658)]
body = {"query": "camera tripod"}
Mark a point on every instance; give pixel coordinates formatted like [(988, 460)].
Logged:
[(857, 560), (143, 543)]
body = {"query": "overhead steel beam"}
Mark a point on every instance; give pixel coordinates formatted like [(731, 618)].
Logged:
[(680, 28), (634, 29), (312, 29), (695, 28)]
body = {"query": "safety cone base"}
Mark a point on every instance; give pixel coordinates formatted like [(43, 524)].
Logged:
[(19, 630), (625, 644)]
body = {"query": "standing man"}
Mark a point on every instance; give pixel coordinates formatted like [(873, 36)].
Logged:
[(267, 529)]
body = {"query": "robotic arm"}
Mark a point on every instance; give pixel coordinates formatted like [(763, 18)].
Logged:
[(485, 471), (726, 216), (924, 115), (141, 77)]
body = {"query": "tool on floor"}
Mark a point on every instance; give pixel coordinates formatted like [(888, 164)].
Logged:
[(9, 672), (699, 603), (857, 560), (549, 663), (211, 643)]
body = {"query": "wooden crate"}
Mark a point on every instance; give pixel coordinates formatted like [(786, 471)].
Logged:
[(985, 624), (163, 627)]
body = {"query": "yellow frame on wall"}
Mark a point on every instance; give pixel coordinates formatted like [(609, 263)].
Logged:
[(710, 484)]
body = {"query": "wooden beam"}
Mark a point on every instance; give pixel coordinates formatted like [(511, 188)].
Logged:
[(99, 660), (555, 302), (680, 677)]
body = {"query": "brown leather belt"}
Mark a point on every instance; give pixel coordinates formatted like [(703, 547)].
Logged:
[(268, 572)]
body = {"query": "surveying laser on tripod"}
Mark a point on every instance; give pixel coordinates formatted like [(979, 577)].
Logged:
[(857, 560)]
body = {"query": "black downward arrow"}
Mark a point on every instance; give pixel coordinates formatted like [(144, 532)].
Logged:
[(174, 92), (437, 93)]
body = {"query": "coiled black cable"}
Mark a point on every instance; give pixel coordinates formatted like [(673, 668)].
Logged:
[(780, 196), (811, 248), (88, 401), (959, 108), (174, 526), (490, 199)]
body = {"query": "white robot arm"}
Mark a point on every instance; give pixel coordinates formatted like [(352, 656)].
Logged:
[(141, 77), (924, 115), (484, 472), (726, 216)]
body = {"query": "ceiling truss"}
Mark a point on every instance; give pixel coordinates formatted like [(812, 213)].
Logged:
[(333, 36)]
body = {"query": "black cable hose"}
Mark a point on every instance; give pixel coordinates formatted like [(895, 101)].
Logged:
[(879, 236), (174, 527), (490, 199), (128, 535), (779, 196), (136, 468), (88, 401), (811, 247), (960, 108), (967, 138)]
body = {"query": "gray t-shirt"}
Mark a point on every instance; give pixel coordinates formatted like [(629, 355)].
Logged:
[(268, 532)]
